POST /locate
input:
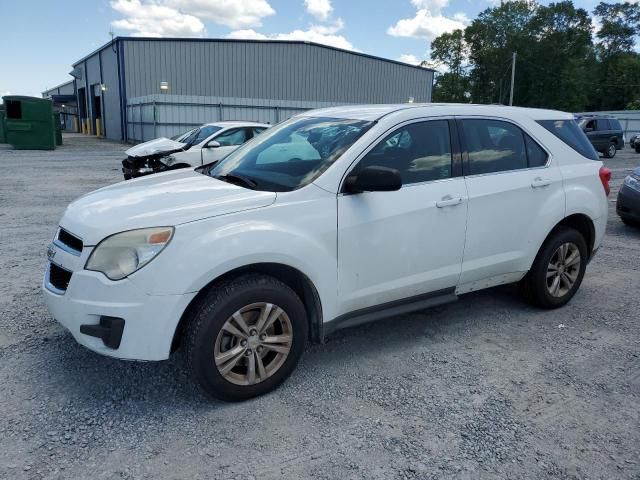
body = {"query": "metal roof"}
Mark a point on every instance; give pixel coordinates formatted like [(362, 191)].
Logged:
[(233, 40)]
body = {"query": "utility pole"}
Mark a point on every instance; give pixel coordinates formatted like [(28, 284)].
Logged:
[(513, 76)]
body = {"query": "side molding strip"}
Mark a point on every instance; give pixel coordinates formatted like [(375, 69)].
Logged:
[(390, 309)]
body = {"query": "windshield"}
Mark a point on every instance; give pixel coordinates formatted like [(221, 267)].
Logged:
[(197, 135), (290, 155), (182, 136)]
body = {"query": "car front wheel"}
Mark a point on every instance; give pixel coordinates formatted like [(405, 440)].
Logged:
[(558, 270), (245, 337)]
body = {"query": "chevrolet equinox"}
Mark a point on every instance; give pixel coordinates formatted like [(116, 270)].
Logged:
[(333, 218)]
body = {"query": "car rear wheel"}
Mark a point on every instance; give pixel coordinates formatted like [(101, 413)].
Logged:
[(611, 150), (558, 270), (629, 222), (245, 337)]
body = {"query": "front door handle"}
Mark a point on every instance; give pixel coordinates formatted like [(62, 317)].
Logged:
[(448, 201), (540, 182)]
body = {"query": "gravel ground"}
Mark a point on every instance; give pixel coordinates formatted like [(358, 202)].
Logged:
[(487, 387)]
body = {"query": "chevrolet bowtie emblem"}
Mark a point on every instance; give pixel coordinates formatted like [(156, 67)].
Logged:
[(51, 252)]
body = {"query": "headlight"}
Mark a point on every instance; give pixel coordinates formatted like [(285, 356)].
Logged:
[(122, 254), (633, 181), (169, 160)]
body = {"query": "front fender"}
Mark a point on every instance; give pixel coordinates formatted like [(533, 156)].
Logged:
[(298, 234)]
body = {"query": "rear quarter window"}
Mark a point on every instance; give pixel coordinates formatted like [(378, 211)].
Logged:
[(571, 134), (615, 124)]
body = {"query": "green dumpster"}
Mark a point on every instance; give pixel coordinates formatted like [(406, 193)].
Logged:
[(58, 128), (29, 123), (3, 135)]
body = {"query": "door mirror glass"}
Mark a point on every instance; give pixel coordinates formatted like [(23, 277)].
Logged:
[(373, 179), (213, 144)]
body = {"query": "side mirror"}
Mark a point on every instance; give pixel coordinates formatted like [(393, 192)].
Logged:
[(213, 144), (373, 179)]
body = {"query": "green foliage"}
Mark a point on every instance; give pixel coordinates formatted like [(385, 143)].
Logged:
[(633, 105), (559, 65)]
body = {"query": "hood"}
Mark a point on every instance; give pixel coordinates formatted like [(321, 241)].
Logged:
[(153, 147), (164, 199)]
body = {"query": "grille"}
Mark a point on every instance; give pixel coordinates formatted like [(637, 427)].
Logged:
[(59, 277), (71, 241)]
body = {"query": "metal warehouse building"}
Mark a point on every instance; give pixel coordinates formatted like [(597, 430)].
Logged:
[(141, 88)]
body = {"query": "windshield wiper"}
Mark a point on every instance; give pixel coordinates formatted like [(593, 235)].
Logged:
[(237, 180)]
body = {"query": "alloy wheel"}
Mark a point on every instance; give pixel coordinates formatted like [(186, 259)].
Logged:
[(253, 343), (563, 269)]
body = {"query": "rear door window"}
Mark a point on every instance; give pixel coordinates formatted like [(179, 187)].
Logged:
[(570, 133), (493, 146), (603, 124), (536, 156)]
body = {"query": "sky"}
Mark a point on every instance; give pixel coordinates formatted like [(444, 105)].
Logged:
[(40, 39)]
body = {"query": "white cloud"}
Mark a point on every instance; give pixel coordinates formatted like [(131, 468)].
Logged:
[(324, 34), (321, 9), (409, 58), (431, 5), (184, 18), (428, 24), (231, 13), (155, 20)]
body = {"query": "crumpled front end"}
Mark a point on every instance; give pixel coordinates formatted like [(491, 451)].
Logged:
[(134, 167)]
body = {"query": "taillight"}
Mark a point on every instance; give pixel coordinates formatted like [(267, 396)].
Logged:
[(605, 178)]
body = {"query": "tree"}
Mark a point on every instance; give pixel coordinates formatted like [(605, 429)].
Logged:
[(620, 24), (618, 77), (449, 52)]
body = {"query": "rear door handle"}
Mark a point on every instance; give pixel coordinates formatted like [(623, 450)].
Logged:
[(540, 182), (448, 201)]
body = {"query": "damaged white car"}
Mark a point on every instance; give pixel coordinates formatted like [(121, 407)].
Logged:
[(205, 144)]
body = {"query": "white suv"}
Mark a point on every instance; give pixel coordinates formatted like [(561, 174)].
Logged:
[(366, 212)]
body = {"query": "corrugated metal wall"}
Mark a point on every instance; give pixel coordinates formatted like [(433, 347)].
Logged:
[(164, 115), (282, 77), (69, 112), (64, 89), (111, 97), (629, 119), (281, 71)]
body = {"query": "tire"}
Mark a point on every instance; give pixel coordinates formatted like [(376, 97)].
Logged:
[(637, 148), (537, 286), (248, 297), (611, 150), (630, 223)]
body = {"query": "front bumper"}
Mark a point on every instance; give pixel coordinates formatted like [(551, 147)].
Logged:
[(134, 169), (628, 203), (150, 321)]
